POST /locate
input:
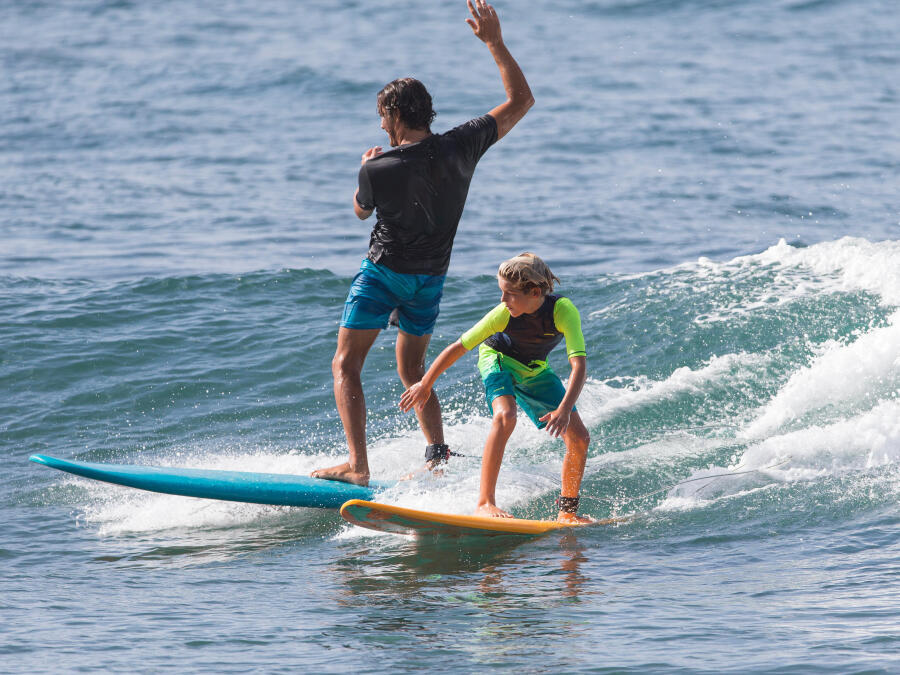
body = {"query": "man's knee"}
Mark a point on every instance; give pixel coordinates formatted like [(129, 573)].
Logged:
[(344, 366), (410, 373)]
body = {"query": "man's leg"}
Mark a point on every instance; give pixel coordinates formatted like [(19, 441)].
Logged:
[(411, 368), (352, 348)]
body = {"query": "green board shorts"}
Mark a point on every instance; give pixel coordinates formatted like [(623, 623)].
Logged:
[(538, 390)]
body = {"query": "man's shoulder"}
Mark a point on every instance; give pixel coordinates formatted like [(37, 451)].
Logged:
[(383, 162), (472, 138), (484, 124)]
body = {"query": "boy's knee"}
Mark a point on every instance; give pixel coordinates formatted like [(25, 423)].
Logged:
[(579, 440), (505, 418), (585, 437)]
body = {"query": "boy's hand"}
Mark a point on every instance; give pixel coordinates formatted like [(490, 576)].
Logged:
[(415, 397), (557, 422)]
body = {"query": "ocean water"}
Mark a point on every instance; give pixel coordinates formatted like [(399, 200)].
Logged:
[(714, 182)]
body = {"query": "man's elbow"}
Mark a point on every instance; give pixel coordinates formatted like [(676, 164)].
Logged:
[(360, 212), (521, 104)]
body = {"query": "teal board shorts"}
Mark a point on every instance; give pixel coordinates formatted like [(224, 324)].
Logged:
[(377, 290), (536, 394)]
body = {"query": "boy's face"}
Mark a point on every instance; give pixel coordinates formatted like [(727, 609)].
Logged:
[(517, 300)]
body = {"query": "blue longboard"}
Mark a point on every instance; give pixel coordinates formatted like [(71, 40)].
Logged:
[(234, 486)]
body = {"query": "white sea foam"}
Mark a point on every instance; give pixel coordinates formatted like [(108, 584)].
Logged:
[(601, 400), (850, 264), (856, 374), (865, 441), (870, 440), (119, 511)]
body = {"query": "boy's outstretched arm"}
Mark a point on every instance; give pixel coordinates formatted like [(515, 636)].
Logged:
[(418, 394), (558, 420)]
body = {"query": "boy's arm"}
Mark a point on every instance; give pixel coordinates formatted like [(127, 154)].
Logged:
[(490, 323), (568, 322), (418, 394), (558, 420)]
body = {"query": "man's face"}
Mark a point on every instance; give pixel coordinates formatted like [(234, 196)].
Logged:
[(390, 127)]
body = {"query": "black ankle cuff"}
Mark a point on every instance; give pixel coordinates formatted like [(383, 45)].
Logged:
[(568, 504), (437, 451)]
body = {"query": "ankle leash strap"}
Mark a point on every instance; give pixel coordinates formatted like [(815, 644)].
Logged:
[(568, 504)]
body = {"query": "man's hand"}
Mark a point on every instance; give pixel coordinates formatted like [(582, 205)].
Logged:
[(484, 22), (415, 397), (370, 153), (557, 421), (486, 26)]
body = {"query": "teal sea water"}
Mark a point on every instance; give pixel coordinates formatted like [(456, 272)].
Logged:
[(714, 182)]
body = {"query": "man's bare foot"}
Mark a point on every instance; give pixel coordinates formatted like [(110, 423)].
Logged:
[(573, 519), (491, 511), (344, 473)]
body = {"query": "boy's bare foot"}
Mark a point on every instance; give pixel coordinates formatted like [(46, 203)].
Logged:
[(491, 511), (344, 473), (573, 519)]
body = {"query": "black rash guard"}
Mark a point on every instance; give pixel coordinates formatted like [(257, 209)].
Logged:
[(418, 191)]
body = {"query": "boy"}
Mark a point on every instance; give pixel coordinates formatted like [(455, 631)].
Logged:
[(516, 338)]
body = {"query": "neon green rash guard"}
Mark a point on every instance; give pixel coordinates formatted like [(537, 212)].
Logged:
[(523, 342)]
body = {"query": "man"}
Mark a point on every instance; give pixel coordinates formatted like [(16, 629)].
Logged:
[(418, 191)]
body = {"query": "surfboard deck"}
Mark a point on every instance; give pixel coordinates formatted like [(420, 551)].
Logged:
[(235, 486), (400, 520)]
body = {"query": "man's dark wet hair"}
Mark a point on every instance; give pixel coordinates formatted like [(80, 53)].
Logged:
[(407, 99)]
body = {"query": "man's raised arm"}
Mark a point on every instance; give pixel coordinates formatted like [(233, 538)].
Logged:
[(486, 26)]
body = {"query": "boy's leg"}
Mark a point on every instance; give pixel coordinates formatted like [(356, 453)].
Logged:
[(502, 426), (576, 439)]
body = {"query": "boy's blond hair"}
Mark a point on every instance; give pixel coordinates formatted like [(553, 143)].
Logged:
[(528, 271)]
